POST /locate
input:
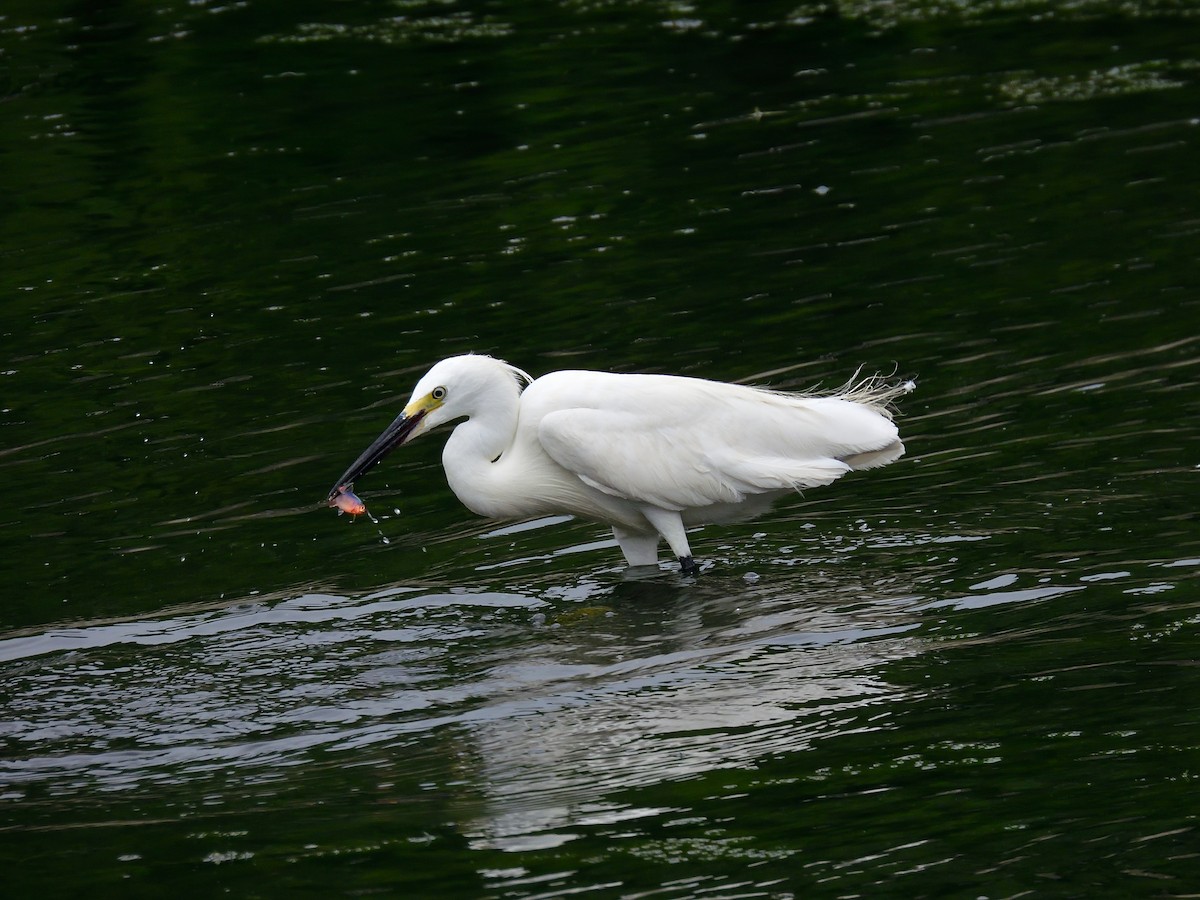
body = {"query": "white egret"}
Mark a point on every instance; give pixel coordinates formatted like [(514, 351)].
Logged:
[(649, 455)]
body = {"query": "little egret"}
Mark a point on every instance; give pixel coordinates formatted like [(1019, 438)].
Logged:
[(649, 455)]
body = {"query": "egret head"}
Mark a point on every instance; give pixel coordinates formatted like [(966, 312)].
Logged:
[(452, 389)]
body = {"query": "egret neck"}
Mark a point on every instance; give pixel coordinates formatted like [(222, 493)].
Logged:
[(476, 446)]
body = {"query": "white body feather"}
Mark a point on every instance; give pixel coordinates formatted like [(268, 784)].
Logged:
[(647, 454)]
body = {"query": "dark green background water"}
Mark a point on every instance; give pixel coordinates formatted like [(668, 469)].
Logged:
[(233, 235)]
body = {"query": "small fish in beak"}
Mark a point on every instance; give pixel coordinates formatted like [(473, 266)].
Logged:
[(345, 501)]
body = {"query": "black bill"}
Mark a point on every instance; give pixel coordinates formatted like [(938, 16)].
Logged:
[(393, 436)]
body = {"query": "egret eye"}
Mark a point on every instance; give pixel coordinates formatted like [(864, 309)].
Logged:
[(438, 393)]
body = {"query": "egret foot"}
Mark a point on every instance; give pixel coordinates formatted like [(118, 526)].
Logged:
[(688, 566)]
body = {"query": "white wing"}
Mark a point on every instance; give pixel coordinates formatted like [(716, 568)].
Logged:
[(680, 443)]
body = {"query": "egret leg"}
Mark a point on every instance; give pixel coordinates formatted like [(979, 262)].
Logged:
[(640, 548), (670, 526)]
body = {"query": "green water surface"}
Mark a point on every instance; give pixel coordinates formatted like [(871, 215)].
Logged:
[(232, 237)]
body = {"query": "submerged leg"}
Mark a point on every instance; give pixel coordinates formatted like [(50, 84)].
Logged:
[(640, 548), (670, 526)]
